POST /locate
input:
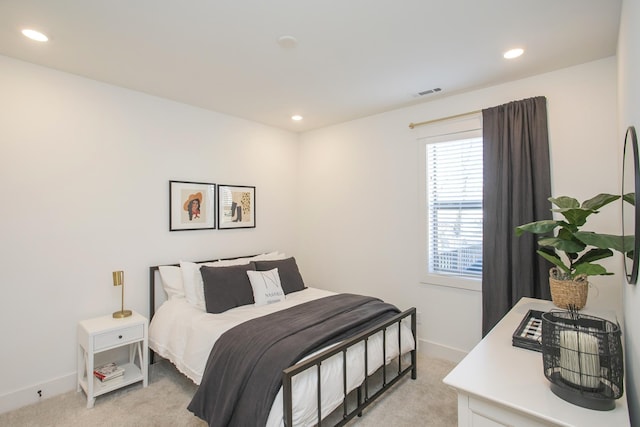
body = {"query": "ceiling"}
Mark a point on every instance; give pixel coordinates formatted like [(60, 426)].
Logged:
[(353, 58)]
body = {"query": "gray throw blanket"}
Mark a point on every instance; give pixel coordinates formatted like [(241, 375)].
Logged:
[(244, 370)]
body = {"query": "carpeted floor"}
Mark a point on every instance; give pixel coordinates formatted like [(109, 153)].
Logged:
[(423, 402)]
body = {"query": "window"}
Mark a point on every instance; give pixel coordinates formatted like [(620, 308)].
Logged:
[(454, 207), (451, 202)]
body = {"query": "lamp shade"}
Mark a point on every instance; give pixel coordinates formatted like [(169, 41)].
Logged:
[(118, 280)]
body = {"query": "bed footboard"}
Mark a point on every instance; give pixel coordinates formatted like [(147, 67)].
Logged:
[(364, 398)]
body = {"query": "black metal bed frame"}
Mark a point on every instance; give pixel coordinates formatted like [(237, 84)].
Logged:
[(363, 399)]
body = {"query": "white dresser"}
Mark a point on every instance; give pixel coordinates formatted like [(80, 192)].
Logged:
[(502, 385)]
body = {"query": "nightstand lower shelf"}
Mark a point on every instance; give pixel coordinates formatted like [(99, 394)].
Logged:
[(132, 374)]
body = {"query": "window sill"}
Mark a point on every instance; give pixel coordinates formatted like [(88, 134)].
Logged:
[(458, 282)]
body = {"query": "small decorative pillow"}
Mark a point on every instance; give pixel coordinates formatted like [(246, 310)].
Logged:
[(290, 276), (171, 277), (226, 287), (266, 286)]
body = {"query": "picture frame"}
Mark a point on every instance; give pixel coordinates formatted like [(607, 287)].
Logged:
[(192, 205), (236, 206)]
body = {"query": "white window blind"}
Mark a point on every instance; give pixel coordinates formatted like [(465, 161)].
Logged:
[(454, 207)]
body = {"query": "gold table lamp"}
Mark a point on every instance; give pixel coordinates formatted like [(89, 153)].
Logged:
[(118, 280)]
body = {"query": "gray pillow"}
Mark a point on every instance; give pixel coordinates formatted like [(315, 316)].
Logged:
[(226, 287), (290, 277)]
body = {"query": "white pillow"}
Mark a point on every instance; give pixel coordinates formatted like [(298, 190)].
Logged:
[(171, 278), (271, 256), (266, 286), (193, 285), (230, 262)]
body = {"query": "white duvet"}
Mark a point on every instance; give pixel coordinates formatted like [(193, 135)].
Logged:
[(185, 335)]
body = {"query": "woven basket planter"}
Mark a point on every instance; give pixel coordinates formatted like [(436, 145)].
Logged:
[(568, 293)]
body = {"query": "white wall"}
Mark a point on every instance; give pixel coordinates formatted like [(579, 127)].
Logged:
[(359, 213), (84, 172), (629, 105)]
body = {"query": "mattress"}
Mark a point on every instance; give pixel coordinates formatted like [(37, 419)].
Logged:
[(185, 335)]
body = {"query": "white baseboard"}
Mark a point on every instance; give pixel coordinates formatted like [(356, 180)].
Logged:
[(440, 351), (56, 386), (29, 395)]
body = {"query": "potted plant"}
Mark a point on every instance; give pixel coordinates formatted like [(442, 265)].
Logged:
[(573, 251)]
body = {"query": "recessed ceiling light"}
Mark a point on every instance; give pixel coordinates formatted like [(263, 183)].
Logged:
[(296, 117), (513, 53), (287, 42), (35, 35)]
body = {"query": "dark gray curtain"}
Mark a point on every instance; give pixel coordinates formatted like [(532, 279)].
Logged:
[(517, 185)]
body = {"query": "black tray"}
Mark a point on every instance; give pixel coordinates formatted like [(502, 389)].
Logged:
[(529, 333)]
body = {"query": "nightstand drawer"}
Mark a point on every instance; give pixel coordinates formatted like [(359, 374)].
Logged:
[(118, 337)]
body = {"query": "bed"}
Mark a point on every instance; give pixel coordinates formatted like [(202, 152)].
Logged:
[(189, 330)]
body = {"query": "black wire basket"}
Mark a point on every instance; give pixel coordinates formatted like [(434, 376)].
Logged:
[(582, 357)]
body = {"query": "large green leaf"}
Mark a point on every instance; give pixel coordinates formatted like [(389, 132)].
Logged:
[(630, 198), (604, 241), (565, 202), (599, 201), (591, 270), (628, 242), (554, 259), (575, 216), (562, 244), (594, 255), (567, 234), (538, 227), (566, 227), (550, 251)]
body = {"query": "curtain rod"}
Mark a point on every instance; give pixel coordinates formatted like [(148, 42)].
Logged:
[(412, 125)]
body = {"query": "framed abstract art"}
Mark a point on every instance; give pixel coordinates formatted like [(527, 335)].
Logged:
[(236, 206), (191, 205)]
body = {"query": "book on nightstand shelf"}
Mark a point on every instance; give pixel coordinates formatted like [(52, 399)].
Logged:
[(108, 372)]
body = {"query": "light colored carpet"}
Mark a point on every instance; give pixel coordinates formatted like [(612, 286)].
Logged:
[(422, 402)]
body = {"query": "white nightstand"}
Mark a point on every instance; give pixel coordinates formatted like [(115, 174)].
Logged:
[(105, 333)]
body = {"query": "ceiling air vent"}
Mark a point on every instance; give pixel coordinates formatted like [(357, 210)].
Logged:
[(429, 92)]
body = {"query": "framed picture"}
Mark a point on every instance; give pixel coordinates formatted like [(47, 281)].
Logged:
[(191, 205), (236, 206)]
